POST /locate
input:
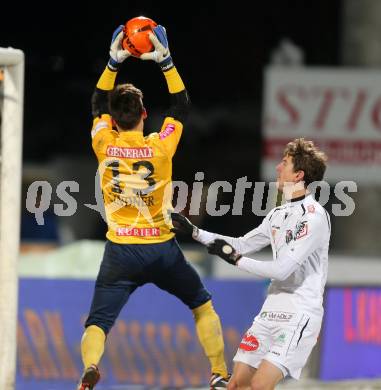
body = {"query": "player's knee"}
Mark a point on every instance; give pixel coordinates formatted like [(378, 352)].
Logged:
[(201, 299), (103, 326), (204, 309), (260, 384)]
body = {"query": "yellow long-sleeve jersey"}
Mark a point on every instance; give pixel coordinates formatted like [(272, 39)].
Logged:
[(135, 176)]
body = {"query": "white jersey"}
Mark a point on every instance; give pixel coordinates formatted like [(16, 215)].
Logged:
[(299, 233)]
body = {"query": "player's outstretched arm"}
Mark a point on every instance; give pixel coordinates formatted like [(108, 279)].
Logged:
[(300, 248), (180, 102), (107, 80), (279, 270), (184, 226)]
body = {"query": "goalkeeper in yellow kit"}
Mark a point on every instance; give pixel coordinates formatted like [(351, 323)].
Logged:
[(135, 175)]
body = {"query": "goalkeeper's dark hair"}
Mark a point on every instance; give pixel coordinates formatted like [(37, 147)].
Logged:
[(308, 158), (126, 105)]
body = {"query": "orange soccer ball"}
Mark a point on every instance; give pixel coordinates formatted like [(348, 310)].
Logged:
[(136, 35)]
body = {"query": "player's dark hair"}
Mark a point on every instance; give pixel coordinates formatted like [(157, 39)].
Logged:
[(126, 105), (308, 158)]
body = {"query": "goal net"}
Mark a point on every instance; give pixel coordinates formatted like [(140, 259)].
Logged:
[(11, 114)]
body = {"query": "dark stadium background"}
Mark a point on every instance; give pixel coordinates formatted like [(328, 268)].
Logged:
[(220, 49)]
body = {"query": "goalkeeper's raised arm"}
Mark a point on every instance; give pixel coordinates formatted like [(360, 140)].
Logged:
[(106, 82), (180, 102)]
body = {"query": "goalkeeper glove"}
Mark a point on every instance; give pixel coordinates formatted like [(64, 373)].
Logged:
[(117, 53), (184, 225), (161, 54), (224, 250)]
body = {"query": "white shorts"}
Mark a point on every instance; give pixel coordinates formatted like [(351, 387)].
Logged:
[(285, 339)]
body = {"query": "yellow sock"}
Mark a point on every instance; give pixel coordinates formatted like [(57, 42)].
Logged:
[(92, 345), (209, 332)]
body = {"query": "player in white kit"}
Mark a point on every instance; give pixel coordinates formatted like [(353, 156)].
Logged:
[(283, 334)]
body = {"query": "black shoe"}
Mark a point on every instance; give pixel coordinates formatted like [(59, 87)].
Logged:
[(218, 382), (89, 378)]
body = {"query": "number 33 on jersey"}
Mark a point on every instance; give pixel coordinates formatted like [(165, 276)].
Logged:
[(135, 176)]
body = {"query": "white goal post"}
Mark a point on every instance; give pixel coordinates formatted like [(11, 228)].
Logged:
[(11, 123)]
